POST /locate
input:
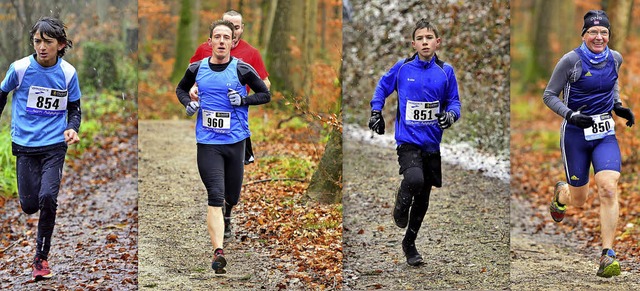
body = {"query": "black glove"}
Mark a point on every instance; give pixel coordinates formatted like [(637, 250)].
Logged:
[(376, 122), (578, 119), (624, 113), (446, 119)]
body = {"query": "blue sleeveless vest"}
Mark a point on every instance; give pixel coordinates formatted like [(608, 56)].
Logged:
[(594, 87), (218, 121)]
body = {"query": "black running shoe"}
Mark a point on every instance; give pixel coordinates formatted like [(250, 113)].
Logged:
[(401, 209), (411, 253), (219, 262)]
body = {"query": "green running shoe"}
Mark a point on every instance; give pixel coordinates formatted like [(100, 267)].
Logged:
[(609, 266), (557, 211)]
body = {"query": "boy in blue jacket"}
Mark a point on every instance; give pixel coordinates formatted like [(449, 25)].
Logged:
[(428, 103)]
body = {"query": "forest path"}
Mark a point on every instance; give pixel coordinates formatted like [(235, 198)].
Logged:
[(175, 250), (464, 238)]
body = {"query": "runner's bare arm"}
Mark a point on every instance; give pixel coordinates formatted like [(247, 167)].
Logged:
[(267, 82)]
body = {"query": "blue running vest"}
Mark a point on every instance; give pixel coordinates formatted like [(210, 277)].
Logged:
[(594, 88), (218, 121)]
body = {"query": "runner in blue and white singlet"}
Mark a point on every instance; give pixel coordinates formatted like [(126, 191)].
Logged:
[(45, 119)]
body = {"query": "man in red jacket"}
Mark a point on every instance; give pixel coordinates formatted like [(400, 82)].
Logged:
[(240, 49)]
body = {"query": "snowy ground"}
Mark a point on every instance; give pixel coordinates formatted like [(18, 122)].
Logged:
[(461, 154)]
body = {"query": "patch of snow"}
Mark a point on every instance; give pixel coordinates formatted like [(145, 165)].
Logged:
[(461, 154)]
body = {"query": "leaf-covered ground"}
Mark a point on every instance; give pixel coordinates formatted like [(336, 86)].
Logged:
[(281, 240), (94, 244)]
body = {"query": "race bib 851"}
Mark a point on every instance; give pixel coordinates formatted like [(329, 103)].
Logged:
[(421, 112)]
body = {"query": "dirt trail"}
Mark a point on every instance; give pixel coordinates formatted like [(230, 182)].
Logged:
[(464, 238), (94, 243), (548, 258), (175, 250)]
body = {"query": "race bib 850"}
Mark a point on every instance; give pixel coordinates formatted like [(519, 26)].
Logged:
[(603, 125)]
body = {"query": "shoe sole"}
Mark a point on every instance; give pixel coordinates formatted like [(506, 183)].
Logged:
[(417, 262), (42, 278), (611, 270)]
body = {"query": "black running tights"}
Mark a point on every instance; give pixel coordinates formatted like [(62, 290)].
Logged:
[(39, 177), (414, 183)]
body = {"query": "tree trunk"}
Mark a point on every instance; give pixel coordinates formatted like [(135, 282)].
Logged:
[(326, 183), (195, 25), (184, 43), (323, 39), (308, 47), (550, 40), (620, 19), (268, 25), (279, 56)]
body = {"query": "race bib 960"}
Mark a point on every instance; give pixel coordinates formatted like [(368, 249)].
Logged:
[(218, 121)]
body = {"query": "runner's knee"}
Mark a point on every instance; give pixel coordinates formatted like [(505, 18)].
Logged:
[(413, 180), (216, 200), (29, 208), (579, 197), (607, 191), (607, 182)]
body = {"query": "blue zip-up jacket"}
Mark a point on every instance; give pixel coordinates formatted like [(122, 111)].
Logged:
[(427, 87)]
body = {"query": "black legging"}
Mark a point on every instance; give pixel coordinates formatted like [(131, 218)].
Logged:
[(221, 168), (414, 183), (39, 178)]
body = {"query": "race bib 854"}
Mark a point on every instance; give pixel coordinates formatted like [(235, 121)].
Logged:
[(46, 101)]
